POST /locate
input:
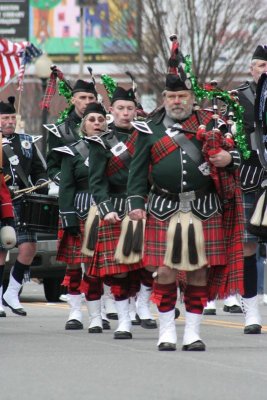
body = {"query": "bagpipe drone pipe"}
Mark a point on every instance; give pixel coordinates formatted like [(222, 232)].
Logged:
[(258, 222)]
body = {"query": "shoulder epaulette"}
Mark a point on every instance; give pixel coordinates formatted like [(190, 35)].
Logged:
[(141, 126), (243, 86), (96, 139), (53, 129), (29, 138), (64, 149)]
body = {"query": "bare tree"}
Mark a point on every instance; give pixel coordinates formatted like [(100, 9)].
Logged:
[(219, 35)]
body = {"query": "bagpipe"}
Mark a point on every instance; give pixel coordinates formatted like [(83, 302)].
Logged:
[(258, 222)]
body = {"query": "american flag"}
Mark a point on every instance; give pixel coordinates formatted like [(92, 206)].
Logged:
[(10, 59), (29, 53), (13, 58)]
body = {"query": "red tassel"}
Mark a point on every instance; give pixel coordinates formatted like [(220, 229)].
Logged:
[(116, 290), (66, 281), (156, 298), (84, 286)]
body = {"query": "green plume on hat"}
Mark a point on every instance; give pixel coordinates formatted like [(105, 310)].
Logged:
[(110, 84)]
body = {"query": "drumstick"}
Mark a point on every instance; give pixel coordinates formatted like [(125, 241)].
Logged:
[(7, 177), (32, 188)]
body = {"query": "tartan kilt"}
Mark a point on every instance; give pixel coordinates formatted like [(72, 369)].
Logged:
[(215, 247), (103, 262), (69, 246), (156, 234)]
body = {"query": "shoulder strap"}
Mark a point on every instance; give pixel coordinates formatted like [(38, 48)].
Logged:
[(249, 95), (11, 155), (118, 149), (66, 133), (193, 152), (82, 149)]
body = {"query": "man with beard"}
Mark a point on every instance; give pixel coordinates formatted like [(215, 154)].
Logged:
[(185, 233), (23, 162)]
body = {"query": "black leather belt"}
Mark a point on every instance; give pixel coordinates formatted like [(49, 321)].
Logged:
[(177, 196)]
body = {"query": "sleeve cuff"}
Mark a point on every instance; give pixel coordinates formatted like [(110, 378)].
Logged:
[(236, 160), (135, 202), (68, 219), (105, 208)]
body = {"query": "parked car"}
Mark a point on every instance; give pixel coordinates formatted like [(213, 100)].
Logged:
[(44, 267)]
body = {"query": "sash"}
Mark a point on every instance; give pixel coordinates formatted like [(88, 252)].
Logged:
[(119, 161), (166, 145)]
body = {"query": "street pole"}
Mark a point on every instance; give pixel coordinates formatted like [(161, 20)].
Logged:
[(44, 120), (81, 58)]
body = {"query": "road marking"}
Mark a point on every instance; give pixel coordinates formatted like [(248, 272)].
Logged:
[(210, 322)]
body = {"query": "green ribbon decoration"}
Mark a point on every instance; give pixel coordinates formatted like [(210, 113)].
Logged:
[(110, 84), (201, 93)]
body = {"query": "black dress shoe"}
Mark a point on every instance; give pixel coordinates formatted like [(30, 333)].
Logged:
[(146, 323), (136, 321), (95, 329), (195, 346), (2, 314), (166, 346), (18, 311), (209, 311), (122, 335), (149, 324), (233, 309), (113, 316), (106, 324), (73, 324), (177, 313), (253, 329)]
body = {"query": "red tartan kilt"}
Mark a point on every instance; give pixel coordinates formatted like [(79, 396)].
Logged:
[(103, 262), (69, 247), (155, 241)]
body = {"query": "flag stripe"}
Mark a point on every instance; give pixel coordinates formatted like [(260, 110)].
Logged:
[(10, 59)]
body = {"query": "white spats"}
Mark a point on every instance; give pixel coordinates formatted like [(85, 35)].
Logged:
[(167, 328), (192, 328)]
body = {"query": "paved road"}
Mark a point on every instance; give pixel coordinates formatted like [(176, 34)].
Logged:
[(42, 361)]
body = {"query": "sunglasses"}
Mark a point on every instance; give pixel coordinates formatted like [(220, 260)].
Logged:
[(98, 119)]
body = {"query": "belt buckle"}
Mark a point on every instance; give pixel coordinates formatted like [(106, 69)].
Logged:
[(185, 199)]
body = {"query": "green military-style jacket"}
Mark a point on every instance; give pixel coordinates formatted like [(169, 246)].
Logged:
[(108, 175), (74, 197), (60, 135), (173, 174)]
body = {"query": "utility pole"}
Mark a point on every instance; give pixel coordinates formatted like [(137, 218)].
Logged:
[(82, 4), (81, 57)]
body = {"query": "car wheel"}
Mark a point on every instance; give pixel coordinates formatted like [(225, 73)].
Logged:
[(52, 289)]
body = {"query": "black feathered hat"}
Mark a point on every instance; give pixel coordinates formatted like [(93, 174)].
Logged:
[(174, 83), (83, 86), (94, 108), (176, 78), (123, 94), (8, 108), (260, 53)]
